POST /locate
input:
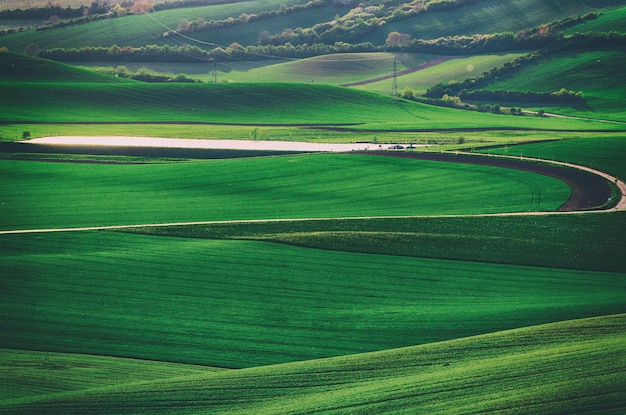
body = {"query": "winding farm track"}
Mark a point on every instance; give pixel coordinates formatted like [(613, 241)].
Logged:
[(589, 189)]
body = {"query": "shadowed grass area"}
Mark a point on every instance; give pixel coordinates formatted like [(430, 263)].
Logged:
[(583, 241)]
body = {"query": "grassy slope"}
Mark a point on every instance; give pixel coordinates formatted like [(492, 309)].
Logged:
[(27, 374), (569, 367), (247, 303), (353, 67), (599, 75), (248, 34), (62, 195), (483, 17), (29, 99), (25, 4)]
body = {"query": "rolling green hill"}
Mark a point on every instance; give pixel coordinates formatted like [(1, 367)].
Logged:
[(135, 30), (486, 16), (334, 69), (338, 69), (569, 367), (455, 69)]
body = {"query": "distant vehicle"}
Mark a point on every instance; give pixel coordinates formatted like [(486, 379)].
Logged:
[(411, 146), (397, 147)]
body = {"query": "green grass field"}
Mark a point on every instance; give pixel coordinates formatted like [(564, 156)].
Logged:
[(249, 104), (602, 152), (333, 69), (64, 372), (62, 195), (16, 68), (355, 67), (447, 312), (555, 241)]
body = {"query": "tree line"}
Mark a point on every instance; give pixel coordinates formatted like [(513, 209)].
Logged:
[(144, 75), (563, 96), (455, 45), (189, 53)]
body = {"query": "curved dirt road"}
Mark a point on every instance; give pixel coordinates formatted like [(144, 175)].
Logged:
[(589, 187)]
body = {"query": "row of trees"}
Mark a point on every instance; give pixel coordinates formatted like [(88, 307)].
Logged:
[(187, 53), (456, 45), (144, 75), (456, 102), (562, 96)]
